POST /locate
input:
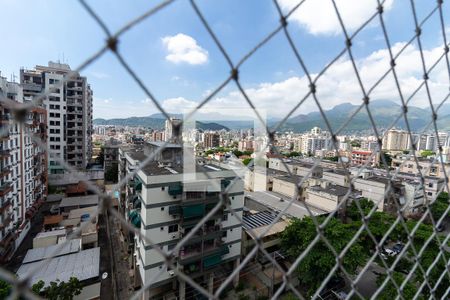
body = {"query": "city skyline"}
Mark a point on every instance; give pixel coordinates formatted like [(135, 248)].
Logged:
[(190, 66)]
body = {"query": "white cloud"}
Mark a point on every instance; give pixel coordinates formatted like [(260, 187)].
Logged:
[(319, 16), (338, 85), (183, 48), (99, 75)]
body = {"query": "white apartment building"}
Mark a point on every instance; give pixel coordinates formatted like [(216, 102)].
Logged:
[(166, 202), (23, 174), (313, 141), (69, 107), (396, 140)]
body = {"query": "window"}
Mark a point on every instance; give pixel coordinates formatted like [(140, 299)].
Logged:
[(162, 188), (430, 184), (162, 208), (224, 234), (161, 228), (173, 228), (430, 194), (225, 217)]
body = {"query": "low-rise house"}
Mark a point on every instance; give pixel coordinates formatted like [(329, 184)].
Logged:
[(83, 265), (67, 204), (327, 196), (272, 201)]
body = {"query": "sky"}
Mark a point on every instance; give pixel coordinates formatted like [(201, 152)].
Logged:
[(179, 63)]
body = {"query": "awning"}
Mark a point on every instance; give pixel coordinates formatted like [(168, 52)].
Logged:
[(135, 218), (212, 260), (175, 189), (193, 211)]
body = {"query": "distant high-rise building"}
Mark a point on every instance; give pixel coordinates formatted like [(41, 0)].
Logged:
[(211, 140), (396, 139), (23, 167), (69, 108), (169, 135)]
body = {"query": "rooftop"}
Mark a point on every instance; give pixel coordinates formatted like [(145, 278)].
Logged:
[(261, 222), (88, 200), (279, 202), (290, 178), (332, 189), (37, 254), (154, 168), (82, 265)]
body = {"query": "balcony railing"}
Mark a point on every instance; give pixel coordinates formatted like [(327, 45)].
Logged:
[(5, 189)]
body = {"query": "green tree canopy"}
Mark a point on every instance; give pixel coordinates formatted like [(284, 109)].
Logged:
[(390, 291), (5, 289), (319, 261), (353, 211), (426, 153), (58, 290)]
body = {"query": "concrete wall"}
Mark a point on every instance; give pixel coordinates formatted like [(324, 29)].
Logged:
[(325, 201)]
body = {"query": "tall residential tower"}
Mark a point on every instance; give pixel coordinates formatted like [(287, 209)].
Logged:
[(69, 106)]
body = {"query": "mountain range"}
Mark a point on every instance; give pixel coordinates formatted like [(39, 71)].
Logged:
[(383, 112)]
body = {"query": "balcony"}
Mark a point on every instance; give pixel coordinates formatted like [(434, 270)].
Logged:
[(5, 204), (206, 250), (6, 221), (5, 189), (4, 118), (5, 171), (5, 153)]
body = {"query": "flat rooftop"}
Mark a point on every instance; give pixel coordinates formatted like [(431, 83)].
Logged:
[(290, 178), (278, 202), (89, 200), (261, 222), (82, 265), (332, 189), (154, 168), (37, 254)]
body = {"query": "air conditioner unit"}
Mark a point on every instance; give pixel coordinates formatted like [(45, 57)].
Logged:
[(171, 273)]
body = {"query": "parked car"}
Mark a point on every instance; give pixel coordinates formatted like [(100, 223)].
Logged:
[(390, 252), (340, 295), (398, 248)]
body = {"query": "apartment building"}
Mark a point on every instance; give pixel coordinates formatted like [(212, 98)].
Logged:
[(364, 158), (69, 108), (396, 140), (211, 140), (166, 201), (296, 167), (23, 162)]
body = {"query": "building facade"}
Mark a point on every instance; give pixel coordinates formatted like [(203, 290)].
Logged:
[(23, 162), (69, 108), (166, 202)]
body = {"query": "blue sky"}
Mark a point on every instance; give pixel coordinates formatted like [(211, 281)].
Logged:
[(178, 61)]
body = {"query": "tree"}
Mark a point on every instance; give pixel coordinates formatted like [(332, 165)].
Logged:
[(5, 289), (355, 143), (58, 290), (246, 161), (333, 158), (426, 153), (293, 154), (319, 261), (439, 206), (390, 291), (353, 211), (237, 153)]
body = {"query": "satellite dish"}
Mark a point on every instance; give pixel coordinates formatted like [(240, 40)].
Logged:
[(105, 275)]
